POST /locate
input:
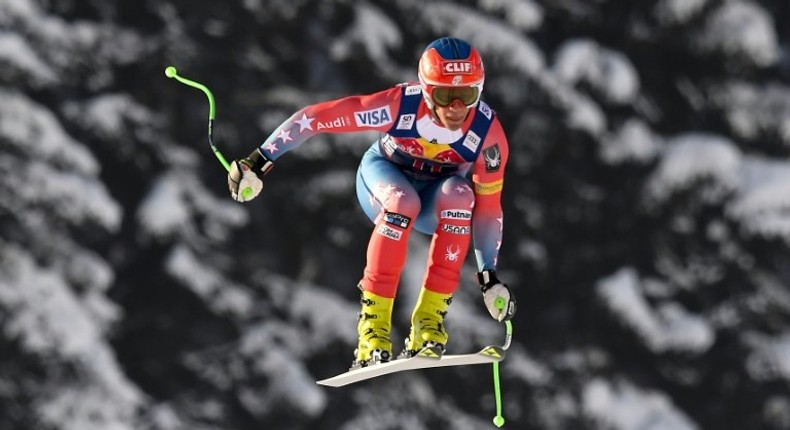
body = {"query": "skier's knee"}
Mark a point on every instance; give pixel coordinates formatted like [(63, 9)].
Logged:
[(405, 206), (456, 194)]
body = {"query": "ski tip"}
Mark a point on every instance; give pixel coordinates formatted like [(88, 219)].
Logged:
[(495, 352), (329, 383), (430, 352)]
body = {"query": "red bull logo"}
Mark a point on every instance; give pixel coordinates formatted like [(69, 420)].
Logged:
[(411, 147), (449, 156)]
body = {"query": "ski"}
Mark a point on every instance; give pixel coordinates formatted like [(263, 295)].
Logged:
[(427, 358)]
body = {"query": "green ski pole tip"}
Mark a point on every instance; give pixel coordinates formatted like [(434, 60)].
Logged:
[(247, 192), (499, 302), (499, 421), (170, 72)]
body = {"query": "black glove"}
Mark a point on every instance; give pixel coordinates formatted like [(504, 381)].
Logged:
[(245, 177), (499, 301)]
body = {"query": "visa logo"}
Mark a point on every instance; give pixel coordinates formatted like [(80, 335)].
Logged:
[(374, 117)]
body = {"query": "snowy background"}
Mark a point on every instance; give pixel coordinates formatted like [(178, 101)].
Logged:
[(647, 216)]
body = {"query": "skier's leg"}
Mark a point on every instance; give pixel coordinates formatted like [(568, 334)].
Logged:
[(389, 199), (391, 202), (450, 204), (447, 207)]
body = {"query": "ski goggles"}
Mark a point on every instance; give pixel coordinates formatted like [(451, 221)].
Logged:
[(444, 96)]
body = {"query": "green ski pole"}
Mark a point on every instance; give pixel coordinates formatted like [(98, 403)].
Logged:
[(499, 420), (170, 72)]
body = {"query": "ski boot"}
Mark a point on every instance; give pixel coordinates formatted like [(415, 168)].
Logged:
[(375, 322), (427, 323)]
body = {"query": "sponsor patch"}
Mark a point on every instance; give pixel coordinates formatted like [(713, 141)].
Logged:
[(335, 123), (472, 141), (389, 144), (456, 214), (485, 109), (488, 187), (456, 229), (457, 67), (397, 219), (406, 122), (412, 90), (389, 232), (373, 117), (453, 254), (492, 158)]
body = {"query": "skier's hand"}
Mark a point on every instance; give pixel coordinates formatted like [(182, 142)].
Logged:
[(499, 301), (245, 177)]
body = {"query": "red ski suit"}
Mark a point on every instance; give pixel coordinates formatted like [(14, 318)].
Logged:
[(414, 176)]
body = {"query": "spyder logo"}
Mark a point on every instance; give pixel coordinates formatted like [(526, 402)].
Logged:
[(453, 255), (493, 158)]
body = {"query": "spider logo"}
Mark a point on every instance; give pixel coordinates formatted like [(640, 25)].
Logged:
[(492, 160), (452, 256)]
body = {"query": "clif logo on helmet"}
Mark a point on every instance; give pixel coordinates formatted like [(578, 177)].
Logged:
[(457, 67), (450, 62)]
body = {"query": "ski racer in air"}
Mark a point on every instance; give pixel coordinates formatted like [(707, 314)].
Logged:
[(434, 134)]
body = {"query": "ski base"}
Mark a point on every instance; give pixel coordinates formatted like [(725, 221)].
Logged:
[(426, 358)]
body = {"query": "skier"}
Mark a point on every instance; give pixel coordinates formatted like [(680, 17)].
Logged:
[(432, 133)]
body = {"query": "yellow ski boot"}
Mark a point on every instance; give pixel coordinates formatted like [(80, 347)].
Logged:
[(427, 323), (375, 323)]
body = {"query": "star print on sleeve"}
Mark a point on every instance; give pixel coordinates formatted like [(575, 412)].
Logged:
[(305, 123), (384, 192), (271, 147), (463, 189), (284, 135)]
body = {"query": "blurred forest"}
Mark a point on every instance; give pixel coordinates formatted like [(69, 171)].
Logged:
[(647, 216)]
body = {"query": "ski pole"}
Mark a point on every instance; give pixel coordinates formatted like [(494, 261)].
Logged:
[(170, 72), (499, 420)]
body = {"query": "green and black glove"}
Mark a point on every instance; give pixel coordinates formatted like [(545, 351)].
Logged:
[(499, 301), (245, 177)]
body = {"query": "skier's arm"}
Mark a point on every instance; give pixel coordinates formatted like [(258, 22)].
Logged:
[(488, 176), (346, 115), (355, 113)]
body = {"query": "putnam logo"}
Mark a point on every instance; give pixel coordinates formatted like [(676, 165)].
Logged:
[(457, 68), (456, 214), (374, 117)]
